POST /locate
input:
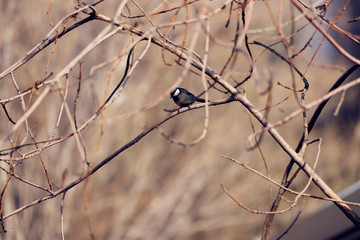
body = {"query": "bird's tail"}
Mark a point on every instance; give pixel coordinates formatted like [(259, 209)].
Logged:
[(200, 100)]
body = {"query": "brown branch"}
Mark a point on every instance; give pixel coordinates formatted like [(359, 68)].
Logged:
[(103, 162), (328, 37), (311, 125), (198, 64), (47, 41), (277, 137)]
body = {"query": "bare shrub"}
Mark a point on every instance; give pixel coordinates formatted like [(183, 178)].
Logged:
[(92, 96)]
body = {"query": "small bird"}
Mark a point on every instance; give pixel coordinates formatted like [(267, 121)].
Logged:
[(184, 98)]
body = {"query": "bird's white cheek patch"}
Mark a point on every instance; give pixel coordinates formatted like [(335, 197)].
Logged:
[(177, 92)]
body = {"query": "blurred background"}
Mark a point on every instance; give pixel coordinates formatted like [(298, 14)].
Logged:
[(157, 189)]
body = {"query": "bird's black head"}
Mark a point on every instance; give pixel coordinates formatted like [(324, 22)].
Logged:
[(176, 93)]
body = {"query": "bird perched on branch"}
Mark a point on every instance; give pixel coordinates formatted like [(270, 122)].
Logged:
[(184, 98)]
